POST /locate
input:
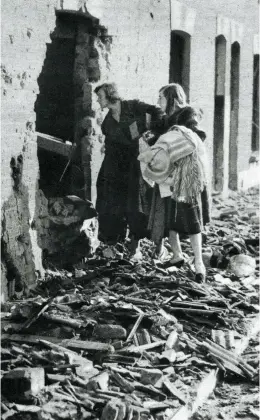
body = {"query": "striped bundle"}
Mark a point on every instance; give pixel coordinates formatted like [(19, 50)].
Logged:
[(177, 160)]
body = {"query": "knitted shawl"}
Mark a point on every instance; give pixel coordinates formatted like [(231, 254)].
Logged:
[(178, 160)]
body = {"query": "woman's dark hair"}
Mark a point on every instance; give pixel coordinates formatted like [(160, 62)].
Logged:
[(110, 90), (175, 97), (190, 118)]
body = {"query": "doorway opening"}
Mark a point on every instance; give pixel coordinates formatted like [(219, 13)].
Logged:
[(219, 112), (54, 109), (234, 113), (180, 60), (255, 116)]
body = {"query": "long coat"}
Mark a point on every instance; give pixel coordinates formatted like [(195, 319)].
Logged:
[(121, 192)]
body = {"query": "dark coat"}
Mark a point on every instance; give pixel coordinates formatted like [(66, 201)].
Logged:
[(120, 190)]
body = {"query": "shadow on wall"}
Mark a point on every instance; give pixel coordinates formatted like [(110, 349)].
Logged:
[(18, 269)]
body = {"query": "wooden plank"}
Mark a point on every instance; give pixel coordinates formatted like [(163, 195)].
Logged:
[(134, 329), (71, 344), (174, 391), (143, 347), (53, 144)]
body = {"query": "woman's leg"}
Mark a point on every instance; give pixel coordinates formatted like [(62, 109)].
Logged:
[(174, 241), (159, 247), (196, 244)]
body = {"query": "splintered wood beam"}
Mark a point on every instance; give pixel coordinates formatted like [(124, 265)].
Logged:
[(135, 327), (53, 144), (70, 344)]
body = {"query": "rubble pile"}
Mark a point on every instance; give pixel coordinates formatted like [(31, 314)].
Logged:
[(67, 229), (118, 340)]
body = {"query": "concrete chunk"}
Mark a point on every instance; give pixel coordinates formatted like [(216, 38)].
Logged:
[(109, 331), (23, 381)]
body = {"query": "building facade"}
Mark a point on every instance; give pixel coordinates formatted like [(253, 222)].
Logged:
[(54, 53)]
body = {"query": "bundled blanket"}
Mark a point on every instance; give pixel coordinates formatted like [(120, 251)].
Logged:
[(177, 162)]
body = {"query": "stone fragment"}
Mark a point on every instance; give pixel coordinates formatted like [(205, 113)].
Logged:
[(170, 355), (150, 376), (255, 219), (121, 410), (55, 410), (110, 412), (242, 265), (160, 416), (23, 381), (99, 382), (225, 214), (109, 331), (171, 340)]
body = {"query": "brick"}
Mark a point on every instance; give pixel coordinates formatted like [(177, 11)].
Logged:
[(23, 381), (109, 331)]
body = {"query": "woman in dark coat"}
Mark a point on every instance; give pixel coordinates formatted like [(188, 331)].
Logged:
[(170, 217), (123, 197)]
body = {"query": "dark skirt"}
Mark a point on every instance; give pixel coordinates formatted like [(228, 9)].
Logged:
[(123, 200), (167, 214)]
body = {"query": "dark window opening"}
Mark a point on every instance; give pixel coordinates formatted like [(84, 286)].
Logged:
[(219, 112), (255, 117), (54, 109), (180, 60), (234, 114), (55, 102)]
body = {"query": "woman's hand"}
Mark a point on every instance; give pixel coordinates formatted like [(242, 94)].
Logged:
[(148, 136)]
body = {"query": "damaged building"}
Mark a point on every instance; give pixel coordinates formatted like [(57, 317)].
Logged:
[(54, 54)]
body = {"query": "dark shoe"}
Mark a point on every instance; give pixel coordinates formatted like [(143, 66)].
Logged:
[(200, 277)]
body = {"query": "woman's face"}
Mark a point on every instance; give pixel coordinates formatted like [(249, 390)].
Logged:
[(102, 99), (162, 101)]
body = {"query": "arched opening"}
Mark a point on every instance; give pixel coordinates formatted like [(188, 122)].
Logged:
[(180, 60), (255, 116), (234, 111), (219, 112)]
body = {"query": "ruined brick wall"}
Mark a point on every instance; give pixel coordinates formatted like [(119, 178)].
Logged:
[(137, 59), (26, 28)]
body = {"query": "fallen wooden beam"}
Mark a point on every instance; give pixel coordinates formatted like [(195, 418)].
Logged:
[(70, 344)]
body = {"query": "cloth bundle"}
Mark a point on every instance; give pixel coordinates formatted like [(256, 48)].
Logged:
[(177, 162)]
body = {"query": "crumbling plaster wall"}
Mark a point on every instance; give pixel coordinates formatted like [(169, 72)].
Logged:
[(26, 28)]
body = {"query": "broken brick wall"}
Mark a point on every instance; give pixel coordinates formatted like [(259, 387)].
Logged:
[(136, 56), (26, 28)]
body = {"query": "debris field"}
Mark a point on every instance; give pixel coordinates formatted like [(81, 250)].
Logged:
[(114, 339)]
